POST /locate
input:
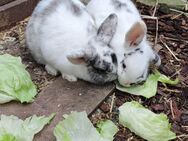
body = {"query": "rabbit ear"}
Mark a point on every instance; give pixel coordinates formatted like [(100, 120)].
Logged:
[(136, 34), (107, 29), (77, 57)]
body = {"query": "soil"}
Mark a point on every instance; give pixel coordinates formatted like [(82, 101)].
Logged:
[(171, 100)]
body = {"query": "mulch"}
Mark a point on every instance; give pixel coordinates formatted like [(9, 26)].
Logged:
[(171, 100)]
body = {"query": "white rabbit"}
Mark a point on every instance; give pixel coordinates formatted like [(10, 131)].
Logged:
[(133, 52), (62, 36)]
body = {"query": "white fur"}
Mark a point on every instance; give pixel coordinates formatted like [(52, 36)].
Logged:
[(55, 36), (135, 64)]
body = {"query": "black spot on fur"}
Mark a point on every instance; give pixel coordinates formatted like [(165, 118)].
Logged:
[(156, 59), (140, 77), (99, 70), (130, 53), (143, 76), (138, 49), (118, 4), (100, 76), (114, 58), (98, 65), (141, 51), (123, 64)]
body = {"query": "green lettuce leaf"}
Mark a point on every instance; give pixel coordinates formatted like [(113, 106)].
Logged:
[(8, 137), (164, 79), (149, 88), (77, 127), (144, 123), (14, 129), (107, 129), (15, 81)]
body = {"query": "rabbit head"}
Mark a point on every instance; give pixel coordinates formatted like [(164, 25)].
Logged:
[(133, 68), (98, 56)]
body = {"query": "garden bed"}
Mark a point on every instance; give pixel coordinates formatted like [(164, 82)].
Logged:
[(173, 48)]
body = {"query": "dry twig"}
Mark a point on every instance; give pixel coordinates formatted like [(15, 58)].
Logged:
[(171, 108), (112, 102), (177, 59)]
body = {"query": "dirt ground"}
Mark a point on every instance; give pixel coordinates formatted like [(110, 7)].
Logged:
[(172, 45)]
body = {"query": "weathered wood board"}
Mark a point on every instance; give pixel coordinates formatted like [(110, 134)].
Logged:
[(61, 97), (15, 11), (12, 11), (3, 2)]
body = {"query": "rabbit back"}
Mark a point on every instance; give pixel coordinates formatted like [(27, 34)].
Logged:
[(65, 27)]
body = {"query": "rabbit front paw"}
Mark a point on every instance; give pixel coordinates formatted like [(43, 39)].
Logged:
[(70, 78), (51, 70)]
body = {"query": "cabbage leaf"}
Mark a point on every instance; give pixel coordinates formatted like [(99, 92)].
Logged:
[(14, 129), (149, 88), (77, 127), (143, 122), (15, 81)]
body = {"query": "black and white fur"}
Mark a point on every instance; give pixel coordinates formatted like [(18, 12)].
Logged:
[(63, 36), (134, 53)]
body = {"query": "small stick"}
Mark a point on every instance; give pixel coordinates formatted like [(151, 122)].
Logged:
[(179, 138), (183, 135), (148, 17), (112, 102), (184, 126), (157, 25), (176, 16), (178, 11), (169, 50), (173, 39), (156, 33), (171, 108), (165, 16), (154, 11), (157, 22), (169, 90), (177, 72)]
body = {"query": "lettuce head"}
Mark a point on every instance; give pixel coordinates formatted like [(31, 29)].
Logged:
[(77, 127), (15, 81), (144, 123)]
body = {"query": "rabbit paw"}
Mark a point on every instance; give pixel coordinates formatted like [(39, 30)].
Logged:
[(70, 78), (51, 70)]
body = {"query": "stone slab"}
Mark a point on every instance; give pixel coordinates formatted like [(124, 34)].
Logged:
[(61, 97)]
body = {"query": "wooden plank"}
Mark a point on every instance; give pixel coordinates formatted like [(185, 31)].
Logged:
[(60, 97), (15, 11), (3, 2)]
